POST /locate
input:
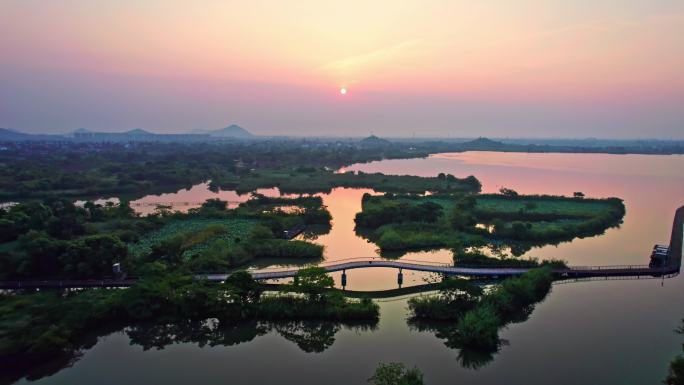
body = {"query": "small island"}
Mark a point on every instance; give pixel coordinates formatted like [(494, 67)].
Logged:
[(403, 222)]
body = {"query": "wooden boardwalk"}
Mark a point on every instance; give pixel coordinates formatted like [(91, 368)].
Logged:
[(670, 269)]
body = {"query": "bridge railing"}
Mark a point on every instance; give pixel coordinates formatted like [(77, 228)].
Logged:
[(610, 267), (336, 262), (614, 278), (399, 262)]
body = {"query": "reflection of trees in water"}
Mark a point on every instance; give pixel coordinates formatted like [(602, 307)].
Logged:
[(310, 336), (467, 357), (14, 368), (204, 333), (12, 371), (447, 331)]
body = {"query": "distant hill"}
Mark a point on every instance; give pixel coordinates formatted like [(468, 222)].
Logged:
[(138, 131), (374, 141), (10, 135), (484, 143), (232, 131)]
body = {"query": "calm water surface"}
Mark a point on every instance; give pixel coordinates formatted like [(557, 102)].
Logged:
[(601, 332)]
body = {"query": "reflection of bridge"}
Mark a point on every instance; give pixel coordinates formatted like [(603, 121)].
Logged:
[(390, 295), (671, 268)]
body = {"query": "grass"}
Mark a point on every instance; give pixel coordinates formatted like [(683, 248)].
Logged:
[(203, 232), (566, 207)]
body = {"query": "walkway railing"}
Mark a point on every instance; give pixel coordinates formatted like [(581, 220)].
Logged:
[(610, 267), (336, 262)]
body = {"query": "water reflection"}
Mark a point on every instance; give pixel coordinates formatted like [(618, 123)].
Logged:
[(466, 357), (309, 336), (193, 197), (14, 368), (469, 357), (200, 332)]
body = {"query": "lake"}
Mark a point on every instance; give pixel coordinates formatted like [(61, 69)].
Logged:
[(596, 332)]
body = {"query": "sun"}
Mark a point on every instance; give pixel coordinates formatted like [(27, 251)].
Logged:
[(343, 91)]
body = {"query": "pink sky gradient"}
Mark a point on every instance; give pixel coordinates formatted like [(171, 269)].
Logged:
[(603, 68)]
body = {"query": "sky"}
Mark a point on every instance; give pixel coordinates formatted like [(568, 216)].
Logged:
[(499, 68)]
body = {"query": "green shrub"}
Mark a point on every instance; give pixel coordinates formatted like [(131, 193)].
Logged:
[(479, 328), (396, 374)]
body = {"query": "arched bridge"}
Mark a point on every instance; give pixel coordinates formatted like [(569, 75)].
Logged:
[(449, 269)]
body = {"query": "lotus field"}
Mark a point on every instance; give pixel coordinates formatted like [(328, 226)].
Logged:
[(199, 234)]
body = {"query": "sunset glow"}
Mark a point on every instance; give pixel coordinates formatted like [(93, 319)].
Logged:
[(540, 68), (341, 192)]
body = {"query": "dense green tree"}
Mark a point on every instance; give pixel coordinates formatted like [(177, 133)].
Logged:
[(675, 375), (312, 281), (479, 328), (459, 290), (93, 256), (425, 212), (508, 192), (40, 255), (214, 204), (244, 287)]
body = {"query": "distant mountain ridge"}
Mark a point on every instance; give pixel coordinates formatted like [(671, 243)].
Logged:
[(232, 131), (138, 134), (10, 135), (484, 143), (139, 131), (374, 141)]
